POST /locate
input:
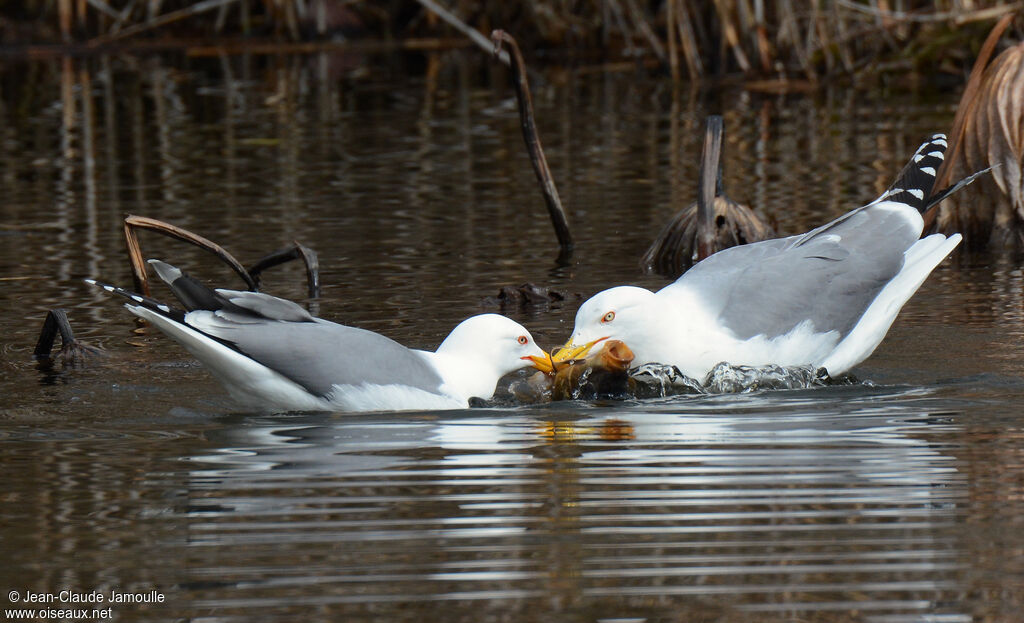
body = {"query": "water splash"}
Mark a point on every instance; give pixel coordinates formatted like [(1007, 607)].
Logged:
[(660, 380), (656, 380)]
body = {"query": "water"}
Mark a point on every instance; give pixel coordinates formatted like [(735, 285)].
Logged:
[(899, 499)]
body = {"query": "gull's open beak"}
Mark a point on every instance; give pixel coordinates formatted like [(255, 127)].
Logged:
[(571, 352), (544, 364)]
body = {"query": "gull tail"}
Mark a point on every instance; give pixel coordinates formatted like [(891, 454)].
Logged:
[(915, 184), (920, 260)]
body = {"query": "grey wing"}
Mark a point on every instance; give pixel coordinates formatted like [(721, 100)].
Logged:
[(828, 276), (266, 306), (318, 354)]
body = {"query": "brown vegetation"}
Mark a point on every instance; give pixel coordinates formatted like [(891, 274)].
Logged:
[(708, 225), (770, 39), (989, 132)]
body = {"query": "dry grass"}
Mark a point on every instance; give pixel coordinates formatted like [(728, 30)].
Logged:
[(776, 39), (988, 131)]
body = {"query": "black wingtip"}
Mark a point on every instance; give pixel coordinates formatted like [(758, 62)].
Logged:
[(192, 293), (949, 190), (914, 184), (148, 302)]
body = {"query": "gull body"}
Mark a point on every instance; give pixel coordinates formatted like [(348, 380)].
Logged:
[(824, 298), (270, 353)]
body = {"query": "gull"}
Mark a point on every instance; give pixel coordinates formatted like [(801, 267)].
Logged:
[(825, 298), (273, 354)]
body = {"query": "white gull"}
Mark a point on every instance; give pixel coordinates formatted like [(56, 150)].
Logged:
[(825, 298), (271, 353)]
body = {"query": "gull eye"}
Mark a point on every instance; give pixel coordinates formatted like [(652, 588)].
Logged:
[(522, 339), (608, 317)]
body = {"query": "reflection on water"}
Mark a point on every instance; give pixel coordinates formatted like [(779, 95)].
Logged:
[(897, 500), (852, 505)]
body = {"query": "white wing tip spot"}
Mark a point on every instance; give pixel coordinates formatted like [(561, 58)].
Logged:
[(928, 170), (917, 192)]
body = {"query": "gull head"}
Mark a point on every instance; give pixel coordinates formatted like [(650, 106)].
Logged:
[(621, 313), (494, 343)]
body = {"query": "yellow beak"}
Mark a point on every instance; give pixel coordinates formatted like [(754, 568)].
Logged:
[(544, 364), (571, 352)]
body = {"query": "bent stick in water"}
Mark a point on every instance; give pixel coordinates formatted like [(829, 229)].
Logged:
[(532, 140)]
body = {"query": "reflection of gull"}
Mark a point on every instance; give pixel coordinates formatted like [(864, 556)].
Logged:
[(781, 496), (824, 298), (785, 440), (271, 352), (335, 447)]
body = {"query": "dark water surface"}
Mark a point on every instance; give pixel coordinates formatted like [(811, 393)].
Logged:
[(897, 500)]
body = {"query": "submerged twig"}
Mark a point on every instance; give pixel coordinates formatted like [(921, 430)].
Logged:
[(533, 146), (131, 223), (56, 323), (287, 254), (72, 351), (250, 276)]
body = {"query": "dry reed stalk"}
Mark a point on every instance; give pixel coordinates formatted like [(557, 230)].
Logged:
[(710, 167), (533, 145), (474, 35), (161, 20), (88, 135), (712, 36), (842, 50), (689, 40), (764, 48), (68, 107), (222, 15), (712, 223), (64, 16), (291, 19), (101, 19), (825, 43), (968, 101), (671, 34), (619, 16), (731, 33), (988, 131), (645, 29)]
